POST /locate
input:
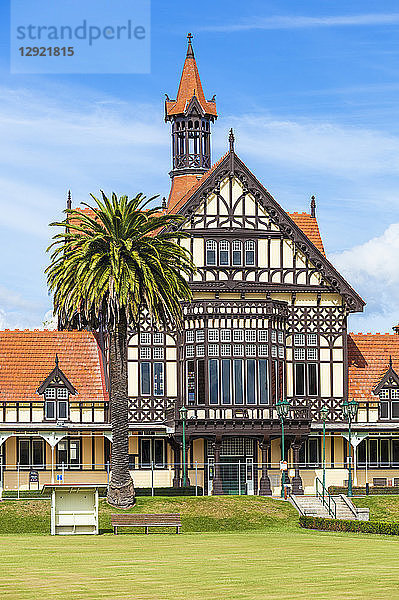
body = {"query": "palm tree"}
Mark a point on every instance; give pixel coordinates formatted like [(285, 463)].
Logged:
[(111, 262)]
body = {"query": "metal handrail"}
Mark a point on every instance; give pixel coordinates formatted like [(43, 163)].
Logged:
[(326, 499)]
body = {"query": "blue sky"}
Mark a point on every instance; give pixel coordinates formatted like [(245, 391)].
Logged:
[(311, 89)]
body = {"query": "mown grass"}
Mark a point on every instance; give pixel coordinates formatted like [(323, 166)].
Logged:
[(382, 508), (249, 565), (202, 514)]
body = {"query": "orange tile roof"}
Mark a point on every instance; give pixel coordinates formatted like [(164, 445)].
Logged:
[(184, 186), (190, 85), (310, 228), (368, 360), (28, 357)]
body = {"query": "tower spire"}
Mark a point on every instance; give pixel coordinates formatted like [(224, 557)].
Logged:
[(313, 207), (191, 116)]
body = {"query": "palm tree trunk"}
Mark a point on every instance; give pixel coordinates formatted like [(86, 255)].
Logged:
[(121, 490)]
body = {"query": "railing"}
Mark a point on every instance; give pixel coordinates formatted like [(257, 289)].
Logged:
[(326, 499), (248, 413)]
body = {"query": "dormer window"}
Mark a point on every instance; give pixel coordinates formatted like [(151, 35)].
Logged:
[(56, 404), (56, 390)]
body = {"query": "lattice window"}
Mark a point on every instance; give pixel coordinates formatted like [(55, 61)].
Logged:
[(189, 336), (312, 339), (189, 351), (274, 351), (280, 337), (250, 335), (238, 335), (225, 335), (263, 350), (262, 335), (225, 350), (274, 336), (62, 393), (237, 350), (395, 394), (384, 394), (213, 349), (145, 353), (201, 350), (250, 350), (158, 353), (281, 352), (50, 393), (299, 339), (200, 335), (145, 338), (158, 338), (213, 335), (299, 354), (312, 353)]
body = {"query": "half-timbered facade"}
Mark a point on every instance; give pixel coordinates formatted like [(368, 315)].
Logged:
[(268, 321)]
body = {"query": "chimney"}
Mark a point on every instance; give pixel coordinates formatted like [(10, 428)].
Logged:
[(396, 329)]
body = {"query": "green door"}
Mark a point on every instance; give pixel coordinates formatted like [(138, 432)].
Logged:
[(232, 473)]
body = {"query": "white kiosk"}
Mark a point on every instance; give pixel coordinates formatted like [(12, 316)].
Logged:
[(74, 508)]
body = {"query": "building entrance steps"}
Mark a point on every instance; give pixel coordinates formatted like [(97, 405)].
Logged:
[(312, 506)]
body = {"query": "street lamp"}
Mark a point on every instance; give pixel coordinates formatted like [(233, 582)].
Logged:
[(349, 410), (183, 416), (283, 408), (324, 414)]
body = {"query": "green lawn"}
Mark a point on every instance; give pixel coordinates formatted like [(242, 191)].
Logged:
[(208, 566), (382, 508)]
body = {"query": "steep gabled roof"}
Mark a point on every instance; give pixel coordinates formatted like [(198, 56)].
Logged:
[(27, 358), (369, 357), (310, 246), (56, 375), (190, 87)]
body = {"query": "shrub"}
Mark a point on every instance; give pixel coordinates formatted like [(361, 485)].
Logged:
[(355, 526), (158, 491), (361, 491)]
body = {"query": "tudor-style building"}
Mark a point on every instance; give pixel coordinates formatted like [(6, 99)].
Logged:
[(268, 321)]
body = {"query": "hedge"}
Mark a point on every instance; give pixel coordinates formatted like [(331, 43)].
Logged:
[(355, 526), (158, 491), (361, 491)]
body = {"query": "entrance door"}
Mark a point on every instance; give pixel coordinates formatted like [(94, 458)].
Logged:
[(232, 474), (249, 476)]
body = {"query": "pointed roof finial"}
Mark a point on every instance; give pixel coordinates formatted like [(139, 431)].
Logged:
[(313, 207), (69, 200), (190, 51), (56, 360), (390, 362), (231, 140), (164, 203)]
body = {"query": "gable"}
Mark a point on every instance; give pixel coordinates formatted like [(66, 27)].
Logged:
[(230, 199)]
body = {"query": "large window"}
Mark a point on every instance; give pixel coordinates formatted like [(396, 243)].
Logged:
[(377, 452), (238, 381), (152, 384), (31, 453), (230, 253), (309, 453), (152, 453), (306, 379), (68, 453), (56, 405)]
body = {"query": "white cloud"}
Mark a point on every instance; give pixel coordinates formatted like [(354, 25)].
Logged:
[(301, 22), (324, 146), (372, 269)]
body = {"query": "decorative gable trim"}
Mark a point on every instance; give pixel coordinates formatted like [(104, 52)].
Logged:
[(231, 166), (58, 375), (389, 379)]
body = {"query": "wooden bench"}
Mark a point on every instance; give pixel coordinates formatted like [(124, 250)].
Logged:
[(146, 521)]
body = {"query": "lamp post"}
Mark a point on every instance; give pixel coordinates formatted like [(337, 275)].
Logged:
[(183, 416), (283, 408), (324, 414), (349, 410)]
